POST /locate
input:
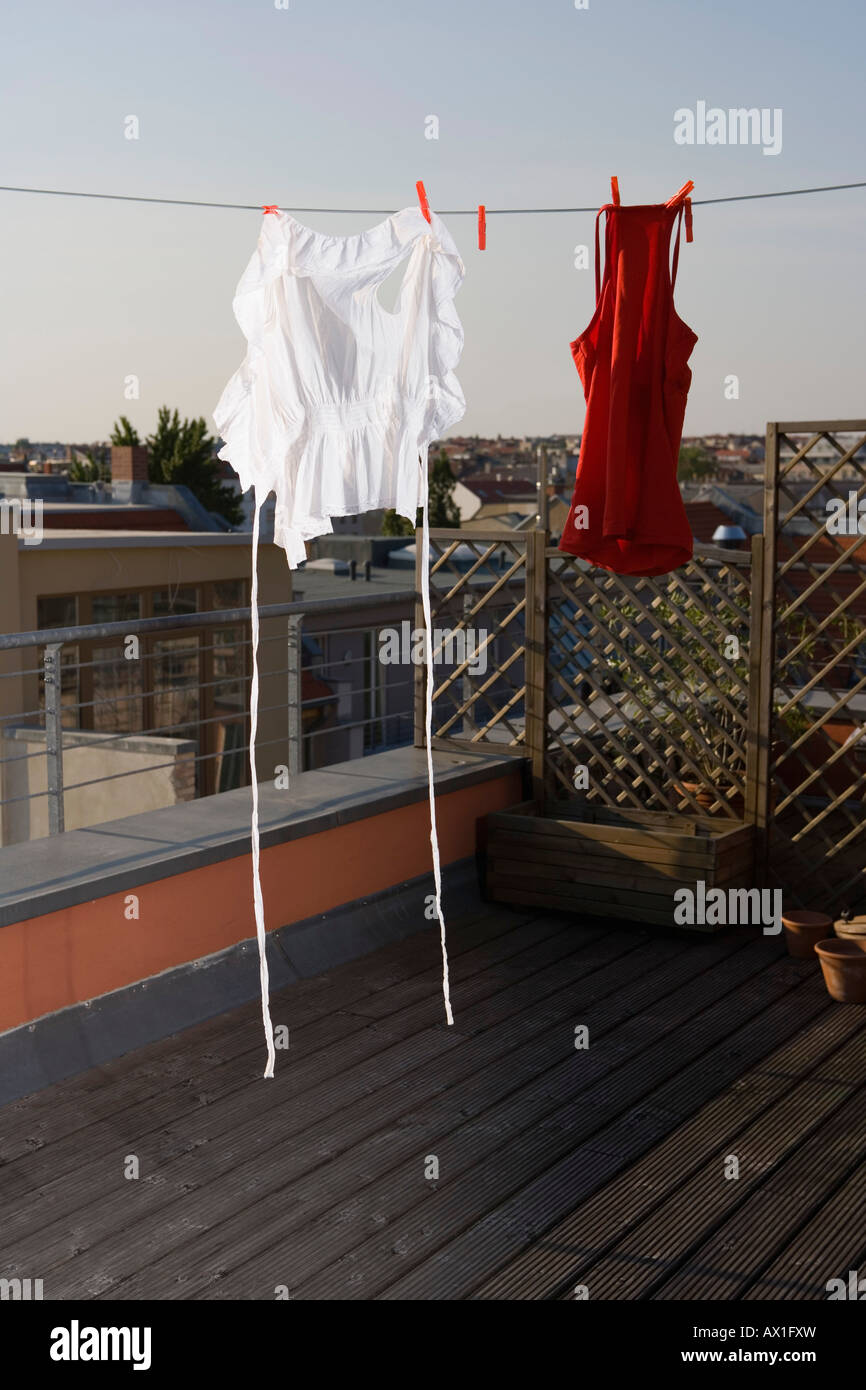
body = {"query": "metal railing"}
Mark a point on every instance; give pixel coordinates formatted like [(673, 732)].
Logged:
[(352, 706)]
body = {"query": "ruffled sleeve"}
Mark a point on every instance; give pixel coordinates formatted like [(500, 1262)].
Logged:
[(446, 338), (259, 415)]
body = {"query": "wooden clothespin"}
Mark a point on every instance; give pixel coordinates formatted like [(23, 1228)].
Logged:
[(422, 199), (482, 227)]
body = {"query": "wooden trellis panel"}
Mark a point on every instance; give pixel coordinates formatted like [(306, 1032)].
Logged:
[(634, 683), (648, 685), (478, 591), (812, 772)]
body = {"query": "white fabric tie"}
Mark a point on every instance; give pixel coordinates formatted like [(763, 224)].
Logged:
[(428, 728), (258, 903)]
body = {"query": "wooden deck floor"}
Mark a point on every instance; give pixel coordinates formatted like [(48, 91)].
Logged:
[(558, 1167)]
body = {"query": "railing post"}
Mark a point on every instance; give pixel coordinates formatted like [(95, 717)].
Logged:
[(767, 667), (53, 736), (541, 485), (535, 662), (294, 666), (756, 745), (469, 725)]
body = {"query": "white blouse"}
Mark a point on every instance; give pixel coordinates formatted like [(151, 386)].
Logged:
[(337, 397), (333, 410)]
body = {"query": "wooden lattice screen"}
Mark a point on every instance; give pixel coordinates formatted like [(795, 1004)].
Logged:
[(648, 685), (735, 686), (479, 587), (631, 693), (812, 766)]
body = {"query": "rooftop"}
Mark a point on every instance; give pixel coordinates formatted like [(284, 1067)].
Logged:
[(556, 1166)]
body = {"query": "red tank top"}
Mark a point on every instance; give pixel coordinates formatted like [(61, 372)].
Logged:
[(627, 514)]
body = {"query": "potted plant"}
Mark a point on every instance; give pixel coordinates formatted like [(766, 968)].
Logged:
[(803, 931), (844, 966), (850, 928)]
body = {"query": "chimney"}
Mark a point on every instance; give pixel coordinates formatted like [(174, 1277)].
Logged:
[(128, 463)]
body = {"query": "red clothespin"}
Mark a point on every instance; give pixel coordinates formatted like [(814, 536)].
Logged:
[(614, 189), (269, 207), (689, 219), (482, 227), (680, 193), (422, 199)]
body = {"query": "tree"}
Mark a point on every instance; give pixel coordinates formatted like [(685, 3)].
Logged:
[(124, 432), (440, 500), (93, 468), (181, 452), (694, 464), (443, 508), (395, 525)]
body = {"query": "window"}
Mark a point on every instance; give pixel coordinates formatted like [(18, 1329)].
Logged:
[(57, 610), (117, 686), (229, 706), (115, 608), (191, 683), (229, 593), (175, 600)]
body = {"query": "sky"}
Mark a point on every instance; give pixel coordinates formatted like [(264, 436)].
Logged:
[(328, 105)]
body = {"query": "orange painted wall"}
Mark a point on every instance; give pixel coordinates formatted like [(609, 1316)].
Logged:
[(63, 958)]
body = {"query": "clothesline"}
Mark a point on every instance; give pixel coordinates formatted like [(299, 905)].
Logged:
[(385, 212)]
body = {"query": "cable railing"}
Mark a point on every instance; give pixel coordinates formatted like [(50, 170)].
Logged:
[(174, 721)]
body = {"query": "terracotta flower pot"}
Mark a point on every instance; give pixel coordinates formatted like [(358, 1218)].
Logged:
[(803, 931), (844, 967), (706, 794), (852, 930)]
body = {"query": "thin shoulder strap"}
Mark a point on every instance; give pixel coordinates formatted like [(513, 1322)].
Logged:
[(615, 202), (683, 204), (676, 259), (598, 258)]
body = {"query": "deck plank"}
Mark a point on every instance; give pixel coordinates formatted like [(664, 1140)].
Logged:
[(262, 1163), (64, 1107), (565, 1255), (557, 1165)]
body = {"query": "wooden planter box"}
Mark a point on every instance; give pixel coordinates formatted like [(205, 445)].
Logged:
[(611, 863)]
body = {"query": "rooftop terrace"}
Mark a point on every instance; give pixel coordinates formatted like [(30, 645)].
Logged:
[(622, 1111), (557, 1166)]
